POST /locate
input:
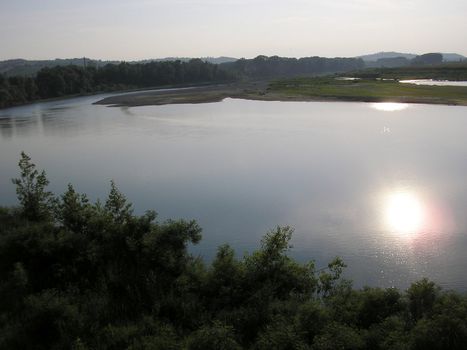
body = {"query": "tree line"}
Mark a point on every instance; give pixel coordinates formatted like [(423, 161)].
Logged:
[(81, 275), (69, 80), (275, 66), (446, 71), (427, 59), (59, 81)]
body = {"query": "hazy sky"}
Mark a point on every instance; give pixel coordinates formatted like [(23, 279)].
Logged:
[(137, 29)]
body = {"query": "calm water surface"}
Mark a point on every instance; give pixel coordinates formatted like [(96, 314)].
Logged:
[(435, 82), (382, 185)]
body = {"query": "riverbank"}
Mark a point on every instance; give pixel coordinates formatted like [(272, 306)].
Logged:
[(197, 94), (116, 91), (300, 89)]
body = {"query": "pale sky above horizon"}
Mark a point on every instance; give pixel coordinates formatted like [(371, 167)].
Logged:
[(141, 29)]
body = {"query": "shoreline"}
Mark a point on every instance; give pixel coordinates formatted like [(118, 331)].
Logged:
[(191, 95), (115, 93), (264, 91)]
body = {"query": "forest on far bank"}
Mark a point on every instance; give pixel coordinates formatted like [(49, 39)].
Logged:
[(82, 275), (61, 81), (72, 80)]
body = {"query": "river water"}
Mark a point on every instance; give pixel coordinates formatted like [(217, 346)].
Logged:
[(381, 185), (432, 82)]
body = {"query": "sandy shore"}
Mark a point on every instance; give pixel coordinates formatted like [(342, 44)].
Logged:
[(201, 94)]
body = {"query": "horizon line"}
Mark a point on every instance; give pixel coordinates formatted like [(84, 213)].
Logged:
[(220, 56)]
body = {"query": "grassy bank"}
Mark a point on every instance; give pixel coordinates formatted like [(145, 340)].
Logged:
[(368, 90), (447, 71), (301, 89)]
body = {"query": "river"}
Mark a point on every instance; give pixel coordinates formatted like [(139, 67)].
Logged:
[(381, 185)]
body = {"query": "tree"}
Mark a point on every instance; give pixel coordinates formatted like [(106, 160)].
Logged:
[(213, 337), (428, 59), (74, 210), (35, 201), (422, 296), (117, 204)]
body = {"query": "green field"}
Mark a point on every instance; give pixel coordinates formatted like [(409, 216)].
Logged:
[(302, 89), (369, 90), (446, 71)]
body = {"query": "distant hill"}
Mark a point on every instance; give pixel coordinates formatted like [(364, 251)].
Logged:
[(390, 62), (386, 55), (453, 57), (219, 60), (214, 60), (447, 57), (388, 59)]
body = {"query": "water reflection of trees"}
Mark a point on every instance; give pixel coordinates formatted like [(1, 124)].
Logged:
[(6, 127), (13, 126), (36, 121)]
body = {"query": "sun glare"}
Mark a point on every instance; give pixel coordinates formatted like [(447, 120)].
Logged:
[(389, 106), (404, 212)]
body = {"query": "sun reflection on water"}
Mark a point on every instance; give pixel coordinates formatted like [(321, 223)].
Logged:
[(404, 212), (389, 106), (418, 225)]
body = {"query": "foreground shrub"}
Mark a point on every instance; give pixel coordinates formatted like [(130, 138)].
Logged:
[(81, 275)]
